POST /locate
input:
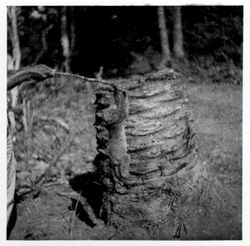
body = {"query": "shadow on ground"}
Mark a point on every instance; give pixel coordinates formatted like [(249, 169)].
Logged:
[(88, 187)]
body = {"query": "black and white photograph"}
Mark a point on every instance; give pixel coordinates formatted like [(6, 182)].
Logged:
[(124, 122)]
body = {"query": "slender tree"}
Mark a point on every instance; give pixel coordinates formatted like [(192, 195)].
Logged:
[(65, 40), (14, 59), (72, 30), (177, 33), (163, 37)]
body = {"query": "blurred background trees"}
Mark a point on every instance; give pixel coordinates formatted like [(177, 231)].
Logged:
[(127, 40), (165, 50), (177, 33)]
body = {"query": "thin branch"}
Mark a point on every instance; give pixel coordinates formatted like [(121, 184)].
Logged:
[(93, 80), (66, 220), (39, 73), (75, 215), (44, 44)]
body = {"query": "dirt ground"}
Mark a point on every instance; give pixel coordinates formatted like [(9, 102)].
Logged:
[(217, 110)]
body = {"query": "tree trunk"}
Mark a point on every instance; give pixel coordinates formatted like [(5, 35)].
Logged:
[(16, 52), (163, 38), (72, 31), (65, 41), (177, 34), (145, 147)]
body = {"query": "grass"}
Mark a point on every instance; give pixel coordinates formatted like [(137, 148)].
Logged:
[(218, 116), (217, 110)]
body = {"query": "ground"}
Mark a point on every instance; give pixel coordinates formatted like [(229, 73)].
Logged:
[(217, 109)]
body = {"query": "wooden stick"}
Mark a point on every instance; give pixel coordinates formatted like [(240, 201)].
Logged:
[(93, 80), (39, 73)]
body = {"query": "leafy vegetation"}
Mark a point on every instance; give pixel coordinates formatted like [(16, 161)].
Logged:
[(213, 32)]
